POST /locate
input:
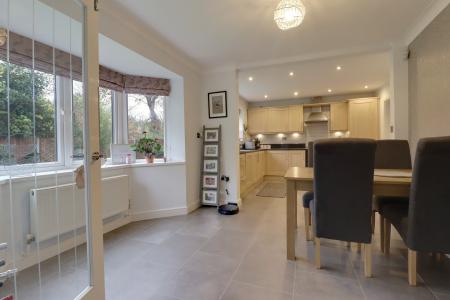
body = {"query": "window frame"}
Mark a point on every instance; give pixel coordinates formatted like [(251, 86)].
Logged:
[(125, 127)]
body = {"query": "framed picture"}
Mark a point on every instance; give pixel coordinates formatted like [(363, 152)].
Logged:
[(212, 135), (210, 166), (217, 105), (210, 197), (211, 151), (210, 181)]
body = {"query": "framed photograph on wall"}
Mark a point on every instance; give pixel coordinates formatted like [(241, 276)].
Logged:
[(211, 135), (210, 181), (210, 197), (210, 166), (217, 105), (211, 151)]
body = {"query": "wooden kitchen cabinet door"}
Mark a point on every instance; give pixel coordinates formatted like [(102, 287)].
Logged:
[(242, 168), (257, 120), (363, 118), (277, 163), (339, 116), (295, 118), (278, 119), (296, 158)]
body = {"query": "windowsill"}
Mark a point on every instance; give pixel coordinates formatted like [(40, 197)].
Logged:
[(108, 166)]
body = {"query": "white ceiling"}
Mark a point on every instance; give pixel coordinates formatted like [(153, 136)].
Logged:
[(241, 32), (315, 77)]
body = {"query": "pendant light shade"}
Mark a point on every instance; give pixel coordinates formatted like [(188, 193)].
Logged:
[(289, 14)]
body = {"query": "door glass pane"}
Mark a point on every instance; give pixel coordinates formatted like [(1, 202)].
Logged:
[(106, 130), (42, 211)]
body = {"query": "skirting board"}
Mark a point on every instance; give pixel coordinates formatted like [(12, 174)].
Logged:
[(160, 213)]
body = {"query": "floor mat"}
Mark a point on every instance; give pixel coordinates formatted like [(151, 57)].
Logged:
[(273, 190)]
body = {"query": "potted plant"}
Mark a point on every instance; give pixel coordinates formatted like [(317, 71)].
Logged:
[(148, 146)]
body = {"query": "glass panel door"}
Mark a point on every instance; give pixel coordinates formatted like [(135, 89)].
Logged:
[(50, 211)]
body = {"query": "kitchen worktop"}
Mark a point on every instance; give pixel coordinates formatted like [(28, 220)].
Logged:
[(277, 147)]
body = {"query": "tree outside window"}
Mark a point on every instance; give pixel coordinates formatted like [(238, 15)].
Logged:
[(106, 121), (28, 131), (146, 114)]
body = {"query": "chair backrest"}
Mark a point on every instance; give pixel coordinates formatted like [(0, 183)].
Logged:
[(343, 184), (429, 209), (393, 154), (310, 162)]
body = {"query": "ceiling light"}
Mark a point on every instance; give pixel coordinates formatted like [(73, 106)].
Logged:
[(291, 74), (289, 14), (366, 87), (330, 90), (266, 96), (250, 78), (338, 68), (296, 94)]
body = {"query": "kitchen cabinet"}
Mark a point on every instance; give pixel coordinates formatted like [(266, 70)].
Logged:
[(277, 120), (295, 118), (363, 118), (296, 158), (257, 120), (242, 168), (339, 116), (261, 165), (277, 163)]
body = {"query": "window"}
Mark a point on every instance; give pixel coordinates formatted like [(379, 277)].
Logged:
[(146, 114), (31, 136), (106, 121), (77, 119)]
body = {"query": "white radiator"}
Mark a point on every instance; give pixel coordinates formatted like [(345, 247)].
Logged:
[(61, 209)]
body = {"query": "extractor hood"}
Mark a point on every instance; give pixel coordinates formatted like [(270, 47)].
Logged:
[(316, 116)]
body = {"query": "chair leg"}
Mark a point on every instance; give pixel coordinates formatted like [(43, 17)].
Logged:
[(412, 267), (368, 260), (381, 233), (317, 253), (373, 222), (307, 223), (387, 237)]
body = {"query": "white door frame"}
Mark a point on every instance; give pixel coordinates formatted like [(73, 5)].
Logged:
[(96, 289)]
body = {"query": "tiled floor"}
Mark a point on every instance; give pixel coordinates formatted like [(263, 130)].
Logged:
[(208, 256)]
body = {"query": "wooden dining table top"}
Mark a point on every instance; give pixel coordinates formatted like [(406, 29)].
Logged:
[(383, 185)]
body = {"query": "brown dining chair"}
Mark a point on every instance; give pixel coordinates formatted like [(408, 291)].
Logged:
[(390, 154), (343, 188), (424, 224)]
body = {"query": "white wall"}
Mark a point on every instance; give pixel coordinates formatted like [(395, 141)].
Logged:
[(429, 78), (225, 81), (116, 24), (385, 112)]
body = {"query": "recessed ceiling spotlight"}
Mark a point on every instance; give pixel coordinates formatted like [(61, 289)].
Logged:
[(339, 68), (296, 94), (366, 87), (266, 96), (250, 78), (291, 74), (330, 90)]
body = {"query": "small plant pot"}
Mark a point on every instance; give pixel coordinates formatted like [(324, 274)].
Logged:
[(149, 158)]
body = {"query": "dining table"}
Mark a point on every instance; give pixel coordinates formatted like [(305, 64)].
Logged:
[(395, 183)]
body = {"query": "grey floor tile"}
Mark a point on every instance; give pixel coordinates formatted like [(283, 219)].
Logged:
[(231, 243), (244, 291), (265, 267), (193, 285), (212, 264), (317, 285), (443, 296)]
